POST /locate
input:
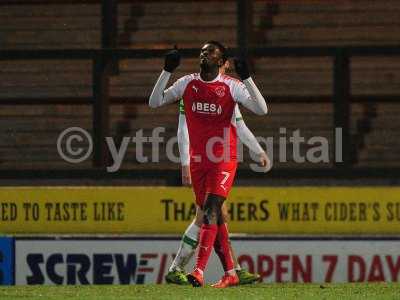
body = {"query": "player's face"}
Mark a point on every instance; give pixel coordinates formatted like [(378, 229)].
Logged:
[(210, 57)]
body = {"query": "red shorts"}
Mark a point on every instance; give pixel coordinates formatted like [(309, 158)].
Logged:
[(212, 178)]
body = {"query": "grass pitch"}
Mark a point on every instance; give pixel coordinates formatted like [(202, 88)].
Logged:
[(256, 291)]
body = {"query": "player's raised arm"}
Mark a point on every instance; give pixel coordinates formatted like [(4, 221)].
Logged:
[(159, 96), (248, 138), (248, 95)]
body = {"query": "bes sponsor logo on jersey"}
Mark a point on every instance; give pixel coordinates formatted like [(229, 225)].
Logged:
[(207, 108)]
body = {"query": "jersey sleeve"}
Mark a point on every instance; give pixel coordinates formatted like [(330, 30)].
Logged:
[(240, 93), (183, 140), (160, 97), (181, 107), (178, 88), (247, 137), (247, 94)]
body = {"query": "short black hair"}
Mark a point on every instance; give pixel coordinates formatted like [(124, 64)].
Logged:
[(221, 48)]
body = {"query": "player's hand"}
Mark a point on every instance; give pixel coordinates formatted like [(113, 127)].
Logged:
[(265, 163), (241, 67), (172, 60), (186, 179)]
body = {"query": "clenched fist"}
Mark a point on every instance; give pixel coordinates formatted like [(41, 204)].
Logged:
[(172, 60), (241, 67)]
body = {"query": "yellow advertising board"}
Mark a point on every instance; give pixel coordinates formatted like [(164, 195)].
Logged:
[(163, 210)]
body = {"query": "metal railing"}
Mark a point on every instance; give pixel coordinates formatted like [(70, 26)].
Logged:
[(104, 59)]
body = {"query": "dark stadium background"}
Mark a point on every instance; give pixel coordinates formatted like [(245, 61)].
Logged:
[(92, 64), (320, 64)]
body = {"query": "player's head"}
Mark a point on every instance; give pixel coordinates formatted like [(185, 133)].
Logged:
[(212, 55)]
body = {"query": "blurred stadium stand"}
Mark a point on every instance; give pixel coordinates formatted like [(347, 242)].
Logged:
[(41, 97)]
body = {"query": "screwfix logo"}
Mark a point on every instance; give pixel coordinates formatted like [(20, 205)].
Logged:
[(96, 268), (207, 108)]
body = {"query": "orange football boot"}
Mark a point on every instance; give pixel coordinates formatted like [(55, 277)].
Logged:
[(227, 281), (196, 278)]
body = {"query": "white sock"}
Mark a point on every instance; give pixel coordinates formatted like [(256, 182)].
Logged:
[(187, 248), (231, 272)]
